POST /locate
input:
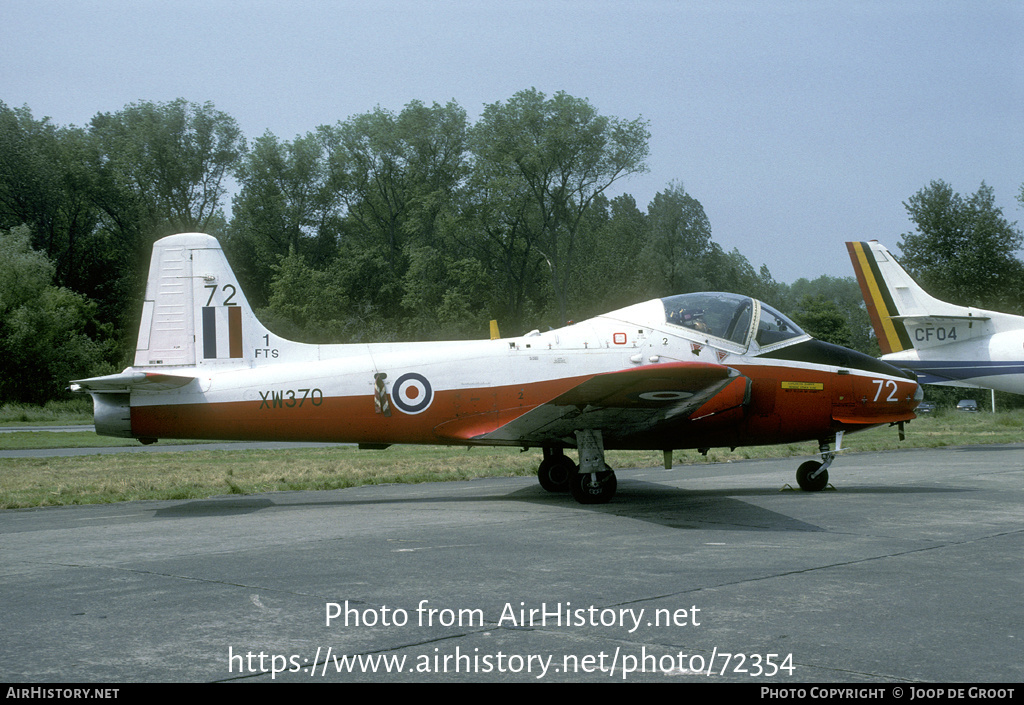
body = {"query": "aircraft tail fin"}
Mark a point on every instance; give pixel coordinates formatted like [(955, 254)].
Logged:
[(195, 313), (903, 314)]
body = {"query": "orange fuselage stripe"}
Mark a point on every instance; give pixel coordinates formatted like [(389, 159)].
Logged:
[(775, 414)]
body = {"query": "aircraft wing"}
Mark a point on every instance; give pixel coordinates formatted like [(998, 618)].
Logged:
[(131, 381), (621, 404)]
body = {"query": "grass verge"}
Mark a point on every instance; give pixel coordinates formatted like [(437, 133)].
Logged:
[(36, 482), (53, 413)]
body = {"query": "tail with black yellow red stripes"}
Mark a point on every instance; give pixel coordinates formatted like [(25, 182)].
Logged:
[(892, 335), (903, 314)]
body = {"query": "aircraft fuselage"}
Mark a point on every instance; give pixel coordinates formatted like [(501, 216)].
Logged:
[(457, 392)]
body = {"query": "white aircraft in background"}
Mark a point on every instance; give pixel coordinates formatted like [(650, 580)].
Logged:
[(698, 371), (942, 343)]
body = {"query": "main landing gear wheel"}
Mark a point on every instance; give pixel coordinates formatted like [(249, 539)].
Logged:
[(593, 488), (556, 473), (808, 483)]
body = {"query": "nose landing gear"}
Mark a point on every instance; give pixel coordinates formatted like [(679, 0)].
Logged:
[(812, 476)]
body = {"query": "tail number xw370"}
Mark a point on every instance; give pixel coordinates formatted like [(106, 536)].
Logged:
[(290, 398), (883, 386)]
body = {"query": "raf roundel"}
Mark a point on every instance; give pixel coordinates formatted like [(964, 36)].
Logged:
[(667, 395), (411, 393)]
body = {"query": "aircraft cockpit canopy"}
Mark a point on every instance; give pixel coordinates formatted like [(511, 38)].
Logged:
[(738, 319)]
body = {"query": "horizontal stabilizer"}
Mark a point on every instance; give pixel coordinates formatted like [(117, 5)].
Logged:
[(131, 381), (941, 317)]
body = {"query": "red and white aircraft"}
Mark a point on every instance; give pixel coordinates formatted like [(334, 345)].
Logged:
[(691, 371)]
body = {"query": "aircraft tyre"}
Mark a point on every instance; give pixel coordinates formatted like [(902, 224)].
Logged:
[(555, 474), (806, 482), (593, 488)]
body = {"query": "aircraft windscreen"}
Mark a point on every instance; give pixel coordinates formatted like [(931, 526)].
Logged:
[(774, 327), (721, 315)]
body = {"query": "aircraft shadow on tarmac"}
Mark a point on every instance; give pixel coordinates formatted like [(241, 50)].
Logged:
[(665, 505), (721, 509), (216, 507), (657, 504), (679, 508)]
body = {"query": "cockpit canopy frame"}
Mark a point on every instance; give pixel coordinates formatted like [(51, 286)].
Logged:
[(732, 321)]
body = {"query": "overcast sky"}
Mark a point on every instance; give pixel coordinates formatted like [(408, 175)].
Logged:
[(797, 125)]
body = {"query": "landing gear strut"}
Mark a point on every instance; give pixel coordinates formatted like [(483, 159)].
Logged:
[(592, 482), (595, 482), (812, 476)]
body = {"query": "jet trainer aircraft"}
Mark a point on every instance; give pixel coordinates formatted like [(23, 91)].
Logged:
[(692, 371), (943, 343)]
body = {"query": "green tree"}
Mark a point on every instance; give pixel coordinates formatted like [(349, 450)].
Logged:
[(307, 304), (731, 271), (678, 243), (48, 334), (43, 184), (397, 176), (964, 250), (444, 296), (551, 157), (164, 166), (840, 294), (286, 204), (499, 235), (822, 318), (612, 234)]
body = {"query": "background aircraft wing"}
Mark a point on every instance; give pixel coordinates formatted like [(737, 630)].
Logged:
[(621, 404)]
